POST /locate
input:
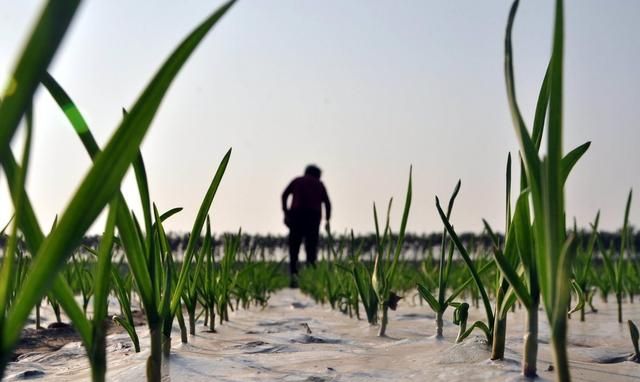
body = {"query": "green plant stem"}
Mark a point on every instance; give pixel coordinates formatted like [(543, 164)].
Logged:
[(383, 321), (633, 331), (439, 324), (184, 338), (212, 319), (559, 346), (154, 362), (499, 328), (98, 358), (530, 354), (166, 345), (461, 330), (38, 326), (499, 337), (619, 301), (192, 321)]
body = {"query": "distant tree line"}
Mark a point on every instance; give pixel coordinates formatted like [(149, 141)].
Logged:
[(415, 243)]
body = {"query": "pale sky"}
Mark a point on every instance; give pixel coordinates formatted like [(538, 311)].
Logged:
[(364, 89)]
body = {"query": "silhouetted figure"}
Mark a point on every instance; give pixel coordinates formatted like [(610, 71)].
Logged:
[(304, 216)]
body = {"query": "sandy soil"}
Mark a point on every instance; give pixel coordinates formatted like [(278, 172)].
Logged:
[(55, 335), (294, 339)]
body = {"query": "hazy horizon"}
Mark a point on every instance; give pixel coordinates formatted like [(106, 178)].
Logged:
[(363, 89)]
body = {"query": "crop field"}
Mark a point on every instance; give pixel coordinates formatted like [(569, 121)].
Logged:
[(532, 296)]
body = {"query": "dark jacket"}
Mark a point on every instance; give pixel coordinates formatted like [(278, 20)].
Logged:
[(308, 194)]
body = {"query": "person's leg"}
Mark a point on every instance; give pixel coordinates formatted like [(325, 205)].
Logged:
[(311, 238), (295, 239)]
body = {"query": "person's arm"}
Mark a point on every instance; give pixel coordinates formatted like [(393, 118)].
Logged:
[(285, 195), (327, 203)]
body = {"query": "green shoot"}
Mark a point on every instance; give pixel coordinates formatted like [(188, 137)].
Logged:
[(635, 336), (383, 274)]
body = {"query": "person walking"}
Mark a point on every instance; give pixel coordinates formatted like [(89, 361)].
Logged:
[(303, 216)]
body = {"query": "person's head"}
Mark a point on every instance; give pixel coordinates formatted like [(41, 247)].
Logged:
[(313, 170)]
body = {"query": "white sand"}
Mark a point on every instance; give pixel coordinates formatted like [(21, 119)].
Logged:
[(272, 344)]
